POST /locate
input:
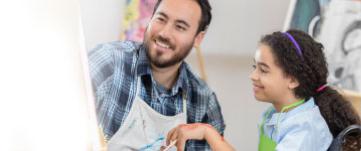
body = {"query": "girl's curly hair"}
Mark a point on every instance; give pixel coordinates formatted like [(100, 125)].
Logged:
[(310, 69)]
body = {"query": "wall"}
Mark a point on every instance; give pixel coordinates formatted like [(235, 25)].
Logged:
[(101, 20), (238, 24)]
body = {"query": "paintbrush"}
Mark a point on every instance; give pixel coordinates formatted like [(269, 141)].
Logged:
[(170, 145)]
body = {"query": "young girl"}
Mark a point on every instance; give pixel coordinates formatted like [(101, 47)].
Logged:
[(291, 73)]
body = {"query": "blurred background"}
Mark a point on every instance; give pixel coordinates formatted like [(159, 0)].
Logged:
[(45, 99)]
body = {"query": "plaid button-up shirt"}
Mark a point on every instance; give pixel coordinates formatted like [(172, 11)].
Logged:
[(115, 67)]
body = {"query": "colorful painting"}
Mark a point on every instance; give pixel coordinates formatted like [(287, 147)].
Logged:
[(137, 16), (337, 25)]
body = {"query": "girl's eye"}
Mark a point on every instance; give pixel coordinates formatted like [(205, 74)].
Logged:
[(262, 70)]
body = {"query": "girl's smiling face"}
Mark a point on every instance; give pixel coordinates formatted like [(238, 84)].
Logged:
[(270, 84)]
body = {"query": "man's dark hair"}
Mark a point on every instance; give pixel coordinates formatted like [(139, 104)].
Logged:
[(206, 15)]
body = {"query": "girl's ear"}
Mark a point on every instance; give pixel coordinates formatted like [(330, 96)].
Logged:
[(293, 83)]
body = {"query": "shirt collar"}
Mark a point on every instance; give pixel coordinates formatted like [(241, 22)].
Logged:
[(143, 69), (143, 66), (303, 107)]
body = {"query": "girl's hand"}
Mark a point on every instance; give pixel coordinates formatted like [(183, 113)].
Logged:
[(184, 132)]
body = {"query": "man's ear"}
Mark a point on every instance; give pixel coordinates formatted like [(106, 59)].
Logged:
[(199, 38), (293, 83)]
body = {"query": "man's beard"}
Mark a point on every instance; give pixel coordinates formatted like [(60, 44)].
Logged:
[(156, 60)]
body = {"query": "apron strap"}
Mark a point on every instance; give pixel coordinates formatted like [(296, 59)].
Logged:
[(264, 120), (184, 99), (138, 86), (286, 108)]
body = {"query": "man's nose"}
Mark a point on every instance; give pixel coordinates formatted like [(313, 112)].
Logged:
[(165, 31)]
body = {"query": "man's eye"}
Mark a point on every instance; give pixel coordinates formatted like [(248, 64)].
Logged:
[(160, 19), (181, 28)]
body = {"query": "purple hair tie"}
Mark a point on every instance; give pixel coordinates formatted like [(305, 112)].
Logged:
[(299, 52), (321, 88)]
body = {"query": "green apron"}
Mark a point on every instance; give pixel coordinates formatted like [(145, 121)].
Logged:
[(266, 143)]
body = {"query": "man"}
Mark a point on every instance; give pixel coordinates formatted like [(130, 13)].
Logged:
[(144, 90)]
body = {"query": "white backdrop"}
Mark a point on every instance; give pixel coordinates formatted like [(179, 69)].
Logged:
[(43, 92)]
